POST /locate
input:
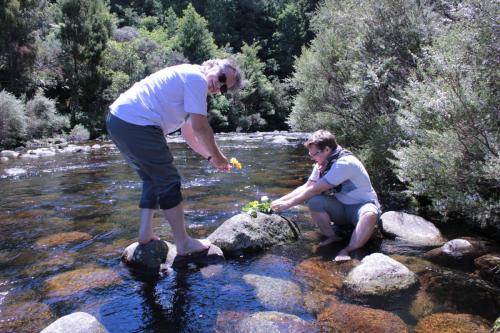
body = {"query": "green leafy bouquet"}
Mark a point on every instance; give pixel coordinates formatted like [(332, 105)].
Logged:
[(264, 206)]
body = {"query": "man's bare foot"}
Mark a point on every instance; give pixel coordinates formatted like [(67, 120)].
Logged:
[(144, 239), (192, 245), (343, 255), (330, 240)]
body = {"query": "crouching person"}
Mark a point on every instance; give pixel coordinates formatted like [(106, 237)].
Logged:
[(338, 190)]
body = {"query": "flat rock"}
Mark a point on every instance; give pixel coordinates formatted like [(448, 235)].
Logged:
[(277, 294), (411, 229), (82, 279), (63, 238), (211, 256), (348, 318)]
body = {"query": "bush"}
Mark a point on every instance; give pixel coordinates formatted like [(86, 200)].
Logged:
[(79, 133), (450, 120), (12, 120), (42, 118)]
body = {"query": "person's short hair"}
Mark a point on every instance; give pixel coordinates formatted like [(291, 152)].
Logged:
[(224, 64), (322, 139)]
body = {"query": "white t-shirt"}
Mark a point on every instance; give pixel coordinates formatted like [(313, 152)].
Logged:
[(165, 98), (350, 172)]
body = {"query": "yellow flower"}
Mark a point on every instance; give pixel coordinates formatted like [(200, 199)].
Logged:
[(235, 163)]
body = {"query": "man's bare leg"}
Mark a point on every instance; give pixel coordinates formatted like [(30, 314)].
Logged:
[(146, 233), (322, 220), (184, 243), (360, 236)]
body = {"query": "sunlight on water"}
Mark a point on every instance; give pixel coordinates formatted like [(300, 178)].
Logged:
[(65, 220)]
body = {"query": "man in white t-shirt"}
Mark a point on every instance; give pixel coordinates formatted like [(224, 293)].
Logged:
[(170, 99), (338, 190)]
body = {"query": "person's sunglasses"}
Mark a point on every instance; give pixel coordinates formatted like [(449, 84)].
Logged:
[(222, 80), (316, 153)]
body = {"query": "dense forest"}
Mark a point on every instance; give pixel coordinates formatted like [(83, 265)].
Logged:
[(411, 86)]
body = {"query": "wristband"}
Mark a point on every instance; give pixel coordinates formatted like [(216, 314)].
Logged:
[(209, 158)]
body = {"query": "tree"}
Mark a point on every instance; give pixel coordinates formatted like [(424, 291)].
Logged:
[(289, 37), (193, 38), (18, 20), (351, 77), (87, 27)]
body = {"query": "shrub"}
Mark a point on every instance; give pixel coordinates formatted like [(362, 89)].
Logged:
[(79, 133), (12, 120), (43, 120), (450, 119)]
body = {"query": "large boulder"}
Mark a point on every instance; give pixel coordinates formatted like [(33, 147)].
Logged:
[(77, 322), (411, 229), (243, 233), (379, 274)]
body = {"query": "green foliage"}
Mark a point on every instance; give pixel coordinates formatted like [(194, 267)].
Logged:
[(86, 28), (42, 118), (264, 206), (193, 38), (254, 105), (79, 133), (450, 120), (351, 77), (12, 120), (289, 37)]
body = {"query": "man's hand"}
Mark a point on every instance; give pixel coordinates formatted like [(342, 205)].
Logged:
[(280, 205), (221, 163)]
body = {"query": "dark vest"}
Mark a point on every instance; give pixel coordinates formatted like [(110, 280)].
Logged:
[(330, 162)]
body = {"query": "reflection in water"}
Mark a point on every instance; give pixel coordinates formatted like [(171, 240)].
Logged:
[(70, 212)]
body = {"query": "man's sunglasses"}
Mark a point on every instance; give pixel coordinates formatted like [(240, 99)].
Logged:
[(222, 80)]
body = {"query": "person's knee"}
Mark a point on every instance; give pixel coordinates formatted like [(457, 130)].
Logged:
[(171, 197), (369, 218), (316, 204)]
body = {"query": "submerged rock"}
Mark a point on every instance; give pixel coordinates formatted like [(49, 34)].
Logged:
[(452, 322), (243, 232), (63, 238), (77, 322), (489, 267), (378, 274), (82, 279), (456, 292), (411, 229), (277, 294), (323, 276), (267, 321), (348, 318), (25, 317)]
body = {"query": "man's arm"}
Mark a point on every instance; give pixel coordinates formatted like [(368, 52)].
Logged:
[(308, 190), (205, 136), (188, 135)]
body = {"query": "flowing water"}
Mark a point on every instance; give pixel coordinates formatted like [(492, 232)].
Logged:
[(65, 220)]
